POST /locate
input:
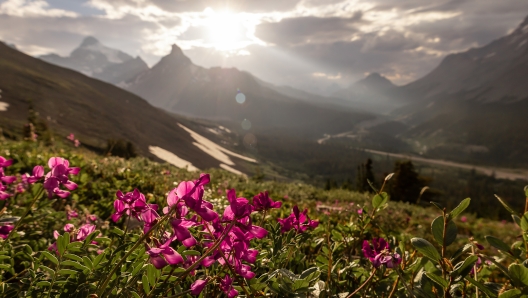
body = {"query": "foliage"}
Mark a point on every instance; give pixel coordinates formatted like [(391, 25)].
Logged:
[(335, 243)]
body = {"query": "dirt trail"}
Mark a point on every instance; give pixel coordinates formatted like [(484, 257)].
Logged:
[(500, 173)]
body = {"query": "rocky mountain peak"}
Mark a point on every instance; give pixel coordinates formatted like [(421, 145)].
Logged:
[(89, 41)]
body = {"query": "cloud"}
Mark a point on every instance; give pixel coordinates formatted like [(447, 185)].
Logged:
[(249, 6), (281, 41), (32, 8), (389, 41), (293, 31)]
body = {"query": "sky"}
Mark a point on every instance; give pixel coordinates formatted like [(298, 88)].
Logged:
[(314, 45)]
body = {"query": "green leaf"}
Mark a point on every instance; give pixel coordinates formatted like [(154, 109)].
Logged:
[(50, 257), (102, 239), (87, 262), (437, 205), (66, 272), (513, 293), (380, 200), (91, 237), (43, 284), (47, 269), (62, 242), (28, 250), (481, 287), (460, 252), (73, 257), (437, 227), (151, 274), (465, 267), (516, 219), (524, 222), (300, 285), (76, 265), (190, 253), (145, 282), (526, 191), (136, 295), (460, 208), (497, 243), (519, 275), (510, 209), (74, 247), (426, 248), (98, 259), (310, 274), (437, 280), (117, 231), (137, 268)]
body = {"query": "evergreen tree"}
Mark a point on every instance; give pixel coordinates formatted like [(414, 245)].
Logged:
[(405, 184), (364, 175)]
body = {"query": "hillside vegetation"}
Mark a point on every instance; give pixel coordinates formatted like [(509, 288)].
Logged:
[(85, 240)]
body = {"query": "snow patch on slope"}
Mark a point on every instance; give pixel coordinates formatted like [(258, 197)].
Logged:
[(3, 106), (214, 150), (171, 158)]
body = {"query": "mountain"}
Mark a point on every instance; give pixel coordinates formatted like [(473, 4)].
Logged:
[(95, 111), (493, 73), (96, 60), (373, 93), (227, 94), (473, 106)]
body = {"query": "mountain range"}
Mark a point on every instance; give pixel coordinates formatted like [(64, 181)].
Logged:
[(470, 108), (96, 111), (96, 60)]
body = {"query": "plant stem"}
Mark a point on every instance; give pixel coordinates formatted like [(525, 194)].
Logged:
[(475, 270), (19, 222), (400, 275), (179, 294), (364, 284), (208, 252), (444, 273), (123, 259), (14, 276), (394, 287)]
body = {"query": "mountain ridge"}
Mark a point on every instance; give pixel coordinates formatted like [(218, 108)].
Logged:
[(94, 59), (179, 86)]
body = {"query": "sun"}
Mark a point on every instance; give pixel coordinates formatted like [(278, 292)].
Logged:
[(226, 31)]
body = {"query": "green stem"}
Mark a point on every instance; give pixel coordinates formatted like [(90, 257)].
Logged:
[(364, 284), (54, 277), (208, 252), (19, 222), (123, 259), (400, 275)]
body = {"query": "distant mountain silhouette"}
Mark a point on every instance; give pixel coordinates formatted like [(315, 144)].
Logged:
[(473, 106), (177, 85), (496, 72), (374, 92), (96, 60)]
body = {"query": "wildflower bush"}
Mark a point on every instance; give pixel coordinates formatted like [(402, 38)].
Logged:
[(74, 224)]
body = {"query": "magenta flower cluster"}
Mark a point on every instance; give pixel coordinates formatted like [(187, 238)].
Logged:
[(379, 253), (298, 221), (56, 177), (226, 238), (4, 179)]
